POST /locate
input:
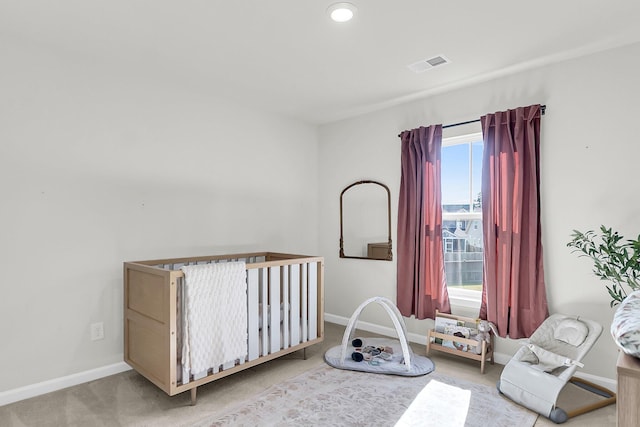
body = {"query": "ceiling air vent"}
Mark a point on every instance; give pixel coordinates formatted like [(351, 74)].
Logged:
[(427, 64)]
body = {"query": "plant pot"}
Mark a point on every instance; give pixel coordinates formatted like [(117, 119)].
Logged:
[(625, 327)]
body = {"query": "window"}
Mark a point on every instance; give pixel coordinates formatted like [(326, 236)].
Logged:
[(462, 216)]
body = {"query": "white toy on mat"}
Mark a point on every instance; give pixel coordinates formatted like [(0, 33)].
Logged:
[(484, 334)]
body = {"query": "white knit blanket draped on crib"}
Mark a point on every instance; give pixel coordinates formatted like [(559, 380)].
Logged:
[(215, 327)]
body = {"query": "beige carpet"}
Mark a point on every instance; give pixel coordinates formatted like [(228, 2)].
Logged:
[(327, 396)]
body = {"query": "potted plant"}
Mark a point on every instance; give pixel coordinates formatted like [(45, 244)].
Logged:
[(614, 259)]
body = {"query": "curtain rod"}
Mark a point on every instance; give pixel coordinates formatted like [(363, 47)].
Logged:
[(542, 109)]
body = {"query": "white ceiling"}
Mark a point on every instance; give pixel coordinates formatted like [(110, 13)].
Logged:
[(286, 56)]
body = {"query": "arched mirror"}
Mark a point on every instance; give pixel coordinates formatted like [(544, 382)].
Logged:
[(365, 221)]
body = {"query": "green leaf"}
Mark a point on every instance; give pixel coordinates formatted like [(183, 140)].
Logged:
[(615, 259)]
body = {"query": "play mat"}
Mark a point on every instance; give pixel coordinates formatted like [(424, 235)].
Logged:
[(378, 355)]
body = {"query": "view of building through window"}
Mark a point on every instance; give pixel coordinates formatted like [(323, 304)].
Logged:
[(462, 211)]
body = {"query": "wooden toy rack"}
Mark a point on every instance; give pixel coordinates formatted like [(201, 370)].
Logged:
[(459, 346)]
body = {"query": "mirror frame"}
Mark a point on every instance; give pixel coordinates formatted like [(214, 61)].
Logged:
[(390, 252)]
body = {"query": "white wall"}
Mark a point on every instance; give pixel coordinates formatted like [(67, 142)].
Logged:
[(100, 165), (589, 159)]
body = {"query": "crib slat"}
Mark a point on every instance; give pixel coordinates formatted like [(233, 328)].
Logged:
[(303, 297), (295, 304), (313, 304), (274, 304), (252, 315), (264, 279), (185, 374), (286, 273)]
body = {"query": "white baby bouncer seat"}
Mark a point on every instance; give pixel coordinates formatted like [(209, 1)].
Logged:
[(541, 368)]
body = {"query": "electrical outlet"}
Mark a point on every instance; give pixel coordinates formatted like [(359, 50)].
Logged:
[(97, 331)]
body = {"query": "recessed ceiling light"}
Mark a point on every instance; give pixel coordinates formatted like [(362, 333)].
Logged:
[(342, 12)]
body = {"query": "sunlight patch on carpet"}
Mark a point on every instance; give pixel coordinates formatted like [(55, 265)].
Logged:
[(438, 404)]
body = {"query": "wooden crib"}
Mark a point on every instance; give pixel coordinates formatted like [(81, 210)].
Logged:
[(285, 314)]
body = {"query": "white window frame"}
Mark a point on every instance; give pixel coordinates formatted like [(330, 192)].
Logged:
[(463, 297)]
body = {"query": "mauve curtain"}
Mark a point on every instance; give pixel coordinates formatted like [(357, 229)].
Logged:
[(421, 285), (513, 295)]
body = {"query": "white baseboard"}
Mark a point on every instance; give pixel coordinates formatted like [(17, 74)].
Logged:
[(607, 383), (33, 390), (499, 358), (376, 329)]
